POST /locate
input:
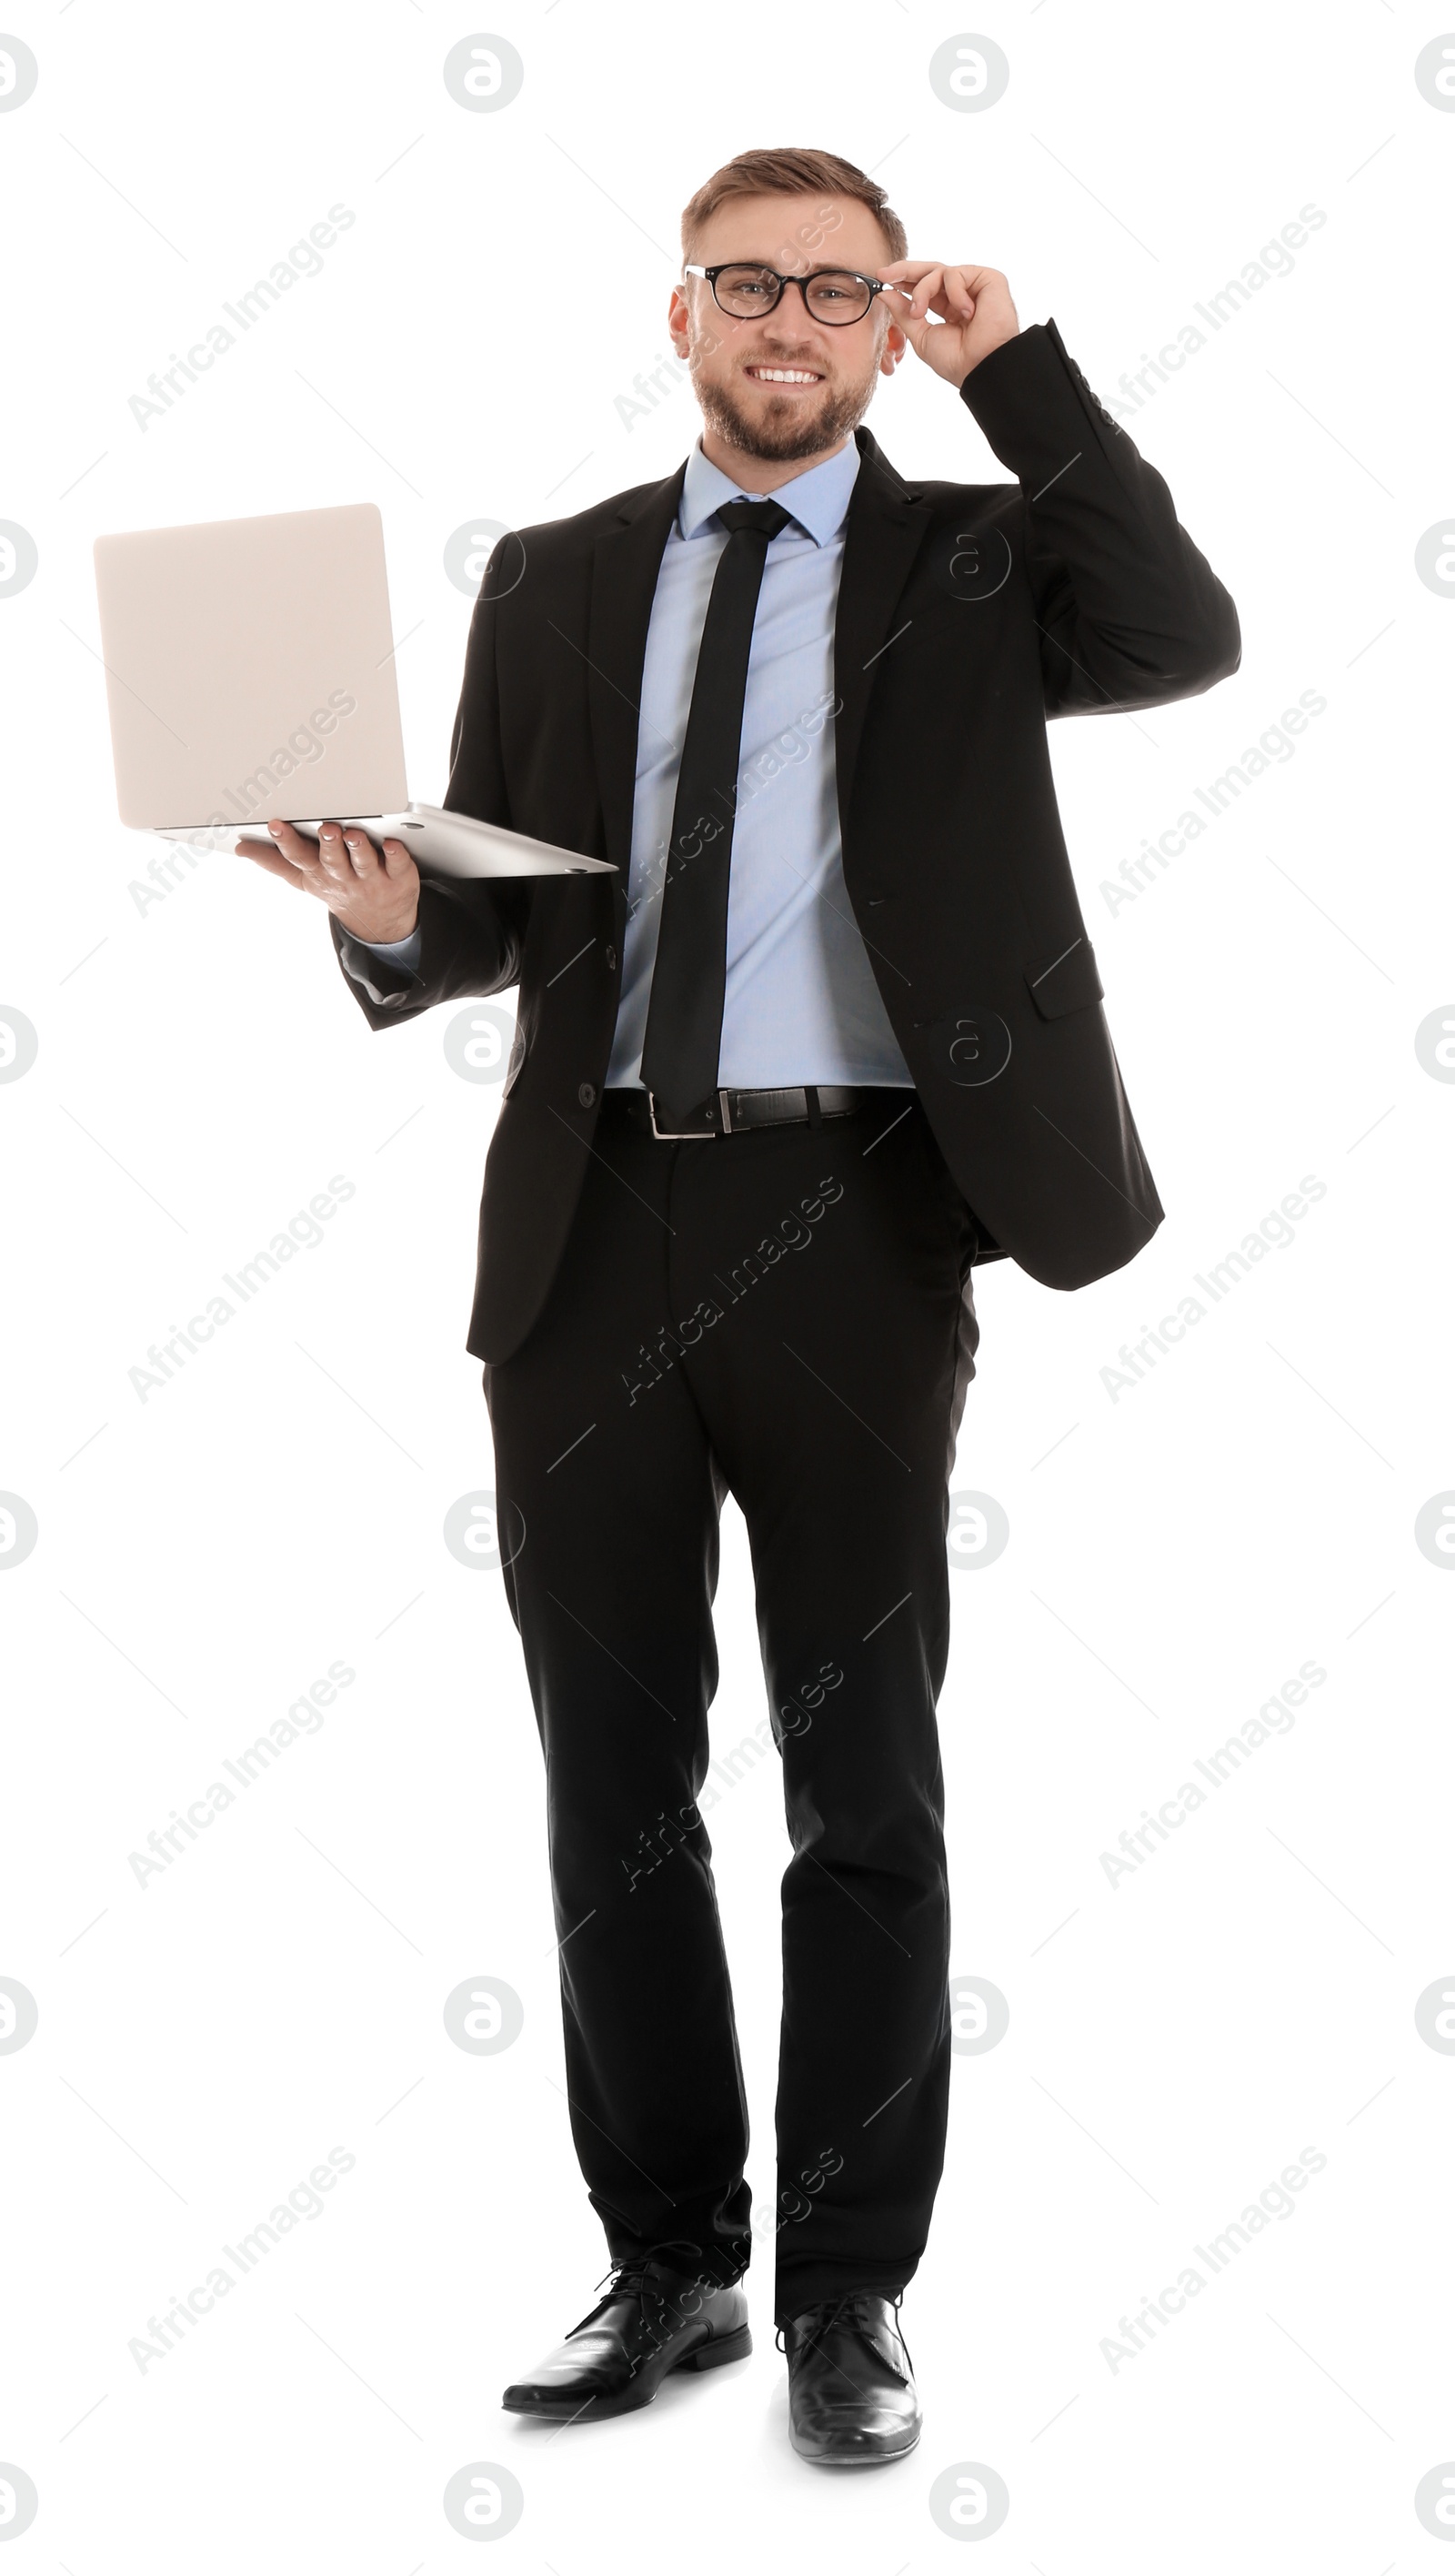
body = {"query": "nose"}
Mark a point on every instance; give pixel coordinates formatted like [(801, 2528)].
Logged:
[(788, 326)]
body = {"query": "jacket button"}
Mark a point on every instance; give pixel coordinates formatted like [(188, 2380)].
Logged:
[(611, 959), (587, 1095)]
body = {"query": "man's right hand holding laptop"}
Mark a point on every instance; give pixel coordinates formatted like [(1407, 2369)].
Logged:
[(376, 898)]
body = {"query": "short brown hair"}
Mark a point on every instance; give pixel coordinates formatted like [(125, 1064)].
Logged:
[(792, 173)]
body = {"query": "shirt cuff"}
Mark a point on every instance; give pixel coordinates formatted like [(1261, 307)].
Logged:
[(397, 952)]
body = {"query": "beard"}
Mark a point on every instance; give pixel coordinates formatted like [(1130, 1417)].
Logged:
[(788, 429)]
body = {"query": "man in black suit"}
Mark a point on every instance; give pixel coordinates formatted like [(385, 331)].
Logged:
[(844, 947)]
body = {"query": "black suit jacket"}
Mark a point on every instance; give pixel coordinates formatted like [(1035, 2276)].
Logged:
[(967, 614)]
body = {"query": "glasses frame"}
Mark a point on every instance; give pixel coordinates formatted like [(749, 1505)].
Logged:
[(793, 277)]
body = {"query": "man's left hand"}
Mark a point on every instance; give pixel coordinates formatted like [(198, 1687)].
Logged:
[(973, 309)]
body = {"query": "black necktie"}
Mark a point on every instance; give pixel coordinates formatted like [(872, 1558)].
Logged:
[(684, 1013)]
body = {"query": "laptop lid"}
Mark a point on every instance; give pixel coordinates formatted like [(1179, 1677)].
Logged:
[(250, 670)]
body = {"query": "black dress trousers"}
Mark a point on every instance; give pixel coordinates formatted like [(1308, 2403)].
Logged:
[(784, 1314)]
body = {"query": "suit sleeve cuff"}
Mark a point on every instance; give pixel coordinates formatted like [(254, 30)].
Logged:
[(386, 974), (1034, 405)]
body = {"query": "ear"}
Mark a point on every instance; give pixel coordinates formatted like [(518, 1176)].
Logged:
[(678, 321), (893, 350)]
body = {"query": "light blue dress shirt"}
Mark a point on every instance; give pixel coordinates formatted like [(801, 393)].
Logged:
[(801, 1004)]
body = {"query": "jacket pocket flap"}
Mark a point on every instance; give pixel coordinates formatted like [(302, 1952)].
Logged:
[(1066, 980)]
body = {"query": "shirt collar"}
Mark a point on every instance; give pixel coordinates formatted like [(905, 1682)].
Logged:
[(818, 500)]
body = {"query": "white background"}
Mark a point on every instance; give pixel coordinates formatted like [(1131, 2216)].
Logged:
[(1175, 2039)]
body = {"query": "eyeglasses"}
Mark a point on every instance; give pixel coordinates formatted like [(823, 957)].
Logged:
[(832, 295)]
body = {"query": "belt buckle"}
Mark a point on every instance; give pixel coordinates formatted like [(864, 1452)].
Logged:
[(688, 1135)]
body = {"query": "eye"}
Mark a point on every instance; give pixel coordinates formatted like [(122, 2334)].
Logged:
[(840, 286)]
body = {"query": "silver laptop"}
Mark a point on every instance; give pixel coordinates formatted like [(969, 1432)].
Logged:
[(250, 672)]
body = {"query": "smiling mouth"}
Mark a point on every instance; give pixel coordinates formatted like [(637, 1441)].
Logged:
[(799, 377)]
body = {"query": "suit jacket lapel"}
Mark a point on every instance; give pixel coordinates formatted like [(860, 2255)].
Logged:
[(625, 564), (885, 530)]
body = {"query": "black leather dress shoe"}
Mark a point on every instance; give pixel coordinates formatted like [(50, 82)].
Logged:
[(652, 2320), (851, 2400)]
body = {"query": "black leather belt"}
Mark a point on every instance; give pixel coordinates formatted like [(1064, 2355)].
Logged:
[(727, 1112)]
